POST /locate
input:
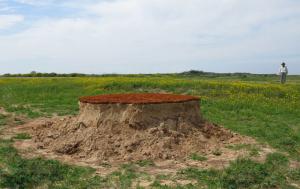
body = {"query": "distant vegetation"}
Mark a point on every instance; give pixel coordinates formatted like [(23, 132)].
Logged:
[(37, 74), (186, 73)]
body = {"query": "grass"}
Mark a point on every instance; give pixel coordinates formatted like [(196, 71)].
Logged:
[(22, 136), (257, 106), (217, 152), (2, 120), (17, 172), (145, 163), (158, 185), (295, 174), (245, 173), (29, 173), (197, 157), (124, 178)]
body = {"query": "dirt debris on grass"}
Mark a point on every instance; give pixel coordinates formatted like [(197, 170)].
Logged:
[(162, 164), (133, 127), (166, 133), (11, 121), (3, 112)]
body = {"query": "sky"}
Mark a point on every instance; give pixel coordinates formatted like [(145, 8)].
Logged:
[(149, 36)]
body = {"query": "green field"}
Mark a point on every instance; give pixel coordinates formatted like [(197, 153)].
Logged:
[(257, 106)]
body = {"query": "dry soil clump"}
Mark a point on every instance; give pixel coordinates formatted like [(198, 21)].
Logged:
[(131, 127)]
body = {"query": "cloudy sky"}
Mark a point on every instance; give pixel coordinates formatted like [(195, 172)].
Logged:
[(149, 36)]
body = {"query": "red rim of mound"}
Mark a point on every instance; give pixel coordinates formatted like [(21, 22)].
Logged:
[(141, 98)]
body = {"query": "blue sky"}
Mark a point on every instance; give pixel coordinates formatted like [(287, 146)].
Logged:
[(149, 36)]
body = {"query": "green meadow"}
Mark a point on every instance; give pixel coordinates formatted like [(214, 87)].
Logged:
[(252, 105)]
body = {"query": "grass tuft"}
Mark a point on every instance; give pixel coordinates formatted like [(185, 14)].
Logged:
[(124, 178), (145, 163), (22, 136), (2, 120), (217, 152), (197, 157)]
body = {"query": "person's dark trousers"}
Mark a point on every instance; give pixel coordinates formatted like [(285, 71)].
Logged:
[(282, 78)]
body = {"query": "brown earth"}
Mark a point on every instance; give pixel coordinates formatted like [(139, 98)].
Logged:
[(31, 148), (124, 143)]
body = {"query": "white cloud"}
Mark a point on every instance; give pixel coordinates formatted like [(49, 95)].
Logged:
[(7, 21), (160, 36)]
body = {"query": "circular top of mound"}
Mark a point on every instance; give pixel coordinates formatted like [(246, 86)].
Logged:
[(143, 98)]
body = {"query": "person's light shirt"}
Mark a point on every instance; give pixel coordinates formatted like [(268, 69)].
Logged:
[(283, 70)]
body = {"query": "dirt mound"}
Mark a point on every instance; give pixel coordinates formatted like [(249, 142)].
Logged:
[(124, 143), (114, 131)]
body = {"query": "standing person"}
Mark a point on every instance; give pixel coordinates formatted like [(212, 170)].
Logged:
[(283, 71)]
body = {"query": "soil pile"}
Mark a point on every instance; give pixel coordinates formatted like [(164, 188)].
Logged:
[(133, 127)]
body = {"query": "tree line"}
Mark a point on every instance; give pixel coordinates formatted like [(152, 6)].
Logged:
[(186, 73)]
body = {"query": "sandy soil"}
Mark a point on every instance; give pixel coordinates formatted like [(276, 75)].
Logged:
[(30, 148)]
